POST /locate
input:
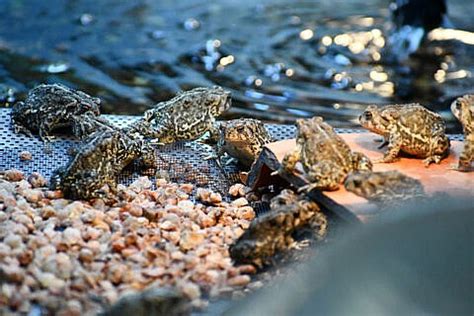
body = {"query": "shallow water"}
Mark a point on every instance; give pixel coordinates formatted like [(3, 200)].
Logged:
[(282, 59)]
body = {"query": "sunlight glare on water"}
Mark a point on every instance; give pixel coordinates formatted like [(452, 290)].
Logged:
[(281, 59)]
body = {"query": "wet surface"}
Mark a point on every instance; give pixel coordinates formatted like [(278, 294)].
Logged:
[(281, 59)]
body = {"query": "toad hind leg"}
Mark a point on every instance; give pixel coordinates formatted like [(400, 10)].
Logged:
[(323, 176), (158, 133), (328, 185)]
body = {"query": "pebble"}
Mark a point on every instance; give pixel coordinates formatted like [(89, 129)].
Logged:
[(255, 285), (240, 202), (25, 156), (237, 190), (246, 213), (32, 196), (186, 205), (186, 187), (72, 236), (135, 210), (14, 241), (190, 240), (12, 273), (86, 255), (140, 184), (215, 198), (240, 280), (49, 281), (191, 290), (14, 175), (37, 180)]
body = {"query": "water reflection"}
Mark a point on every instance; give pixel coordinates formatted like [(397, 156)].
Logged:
[(441, 34), (281, 59)]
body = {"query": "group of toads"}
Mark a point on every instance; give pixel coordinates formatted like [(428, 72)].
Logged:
[(106, 150), (326, 159)]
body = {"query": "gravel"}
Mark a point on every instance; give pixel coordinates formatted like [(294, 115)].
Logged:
[(81, 257)]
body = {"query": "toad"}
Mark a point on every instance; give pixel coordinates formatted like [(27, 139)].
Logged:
[(243, 139), (387, 188), (51, 106), (325, 156), (98, 162), (410, 128), (275, 230), (463, 110), (187, 116)]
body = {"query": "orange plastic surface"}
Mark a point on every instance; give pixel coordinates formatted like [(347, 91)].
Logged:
[(437, 178)]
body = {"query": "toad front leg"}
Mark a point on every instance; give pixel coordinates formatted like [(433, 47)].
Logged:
[(288, 164), (45, 129), (290, 160), (18, 128), (218, 155), (214, 133), (211, 134), (394, 147), (435, 158), (466, 158), (148, 157)]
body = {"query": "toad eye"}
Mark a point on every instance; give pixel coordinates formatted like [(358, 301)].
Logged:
[(367, 115), (240, 129)]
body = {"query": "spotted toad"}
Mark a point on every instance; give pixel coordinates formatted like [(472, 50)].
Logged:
[(410, 128), (51, 106), (242, 139), (187, 116), (274, 231), (98, 162), (325, 156), (463, 110), (387, 188)]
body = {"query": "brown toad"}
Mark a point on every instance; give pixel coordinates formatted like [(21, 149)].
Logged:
[(325, 156), (387, 188), (274, 231), (463, 110), (152, 301), (243, 139), (86, 124), (51, 106), (187, 116), (98, 162), (410, 128)]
